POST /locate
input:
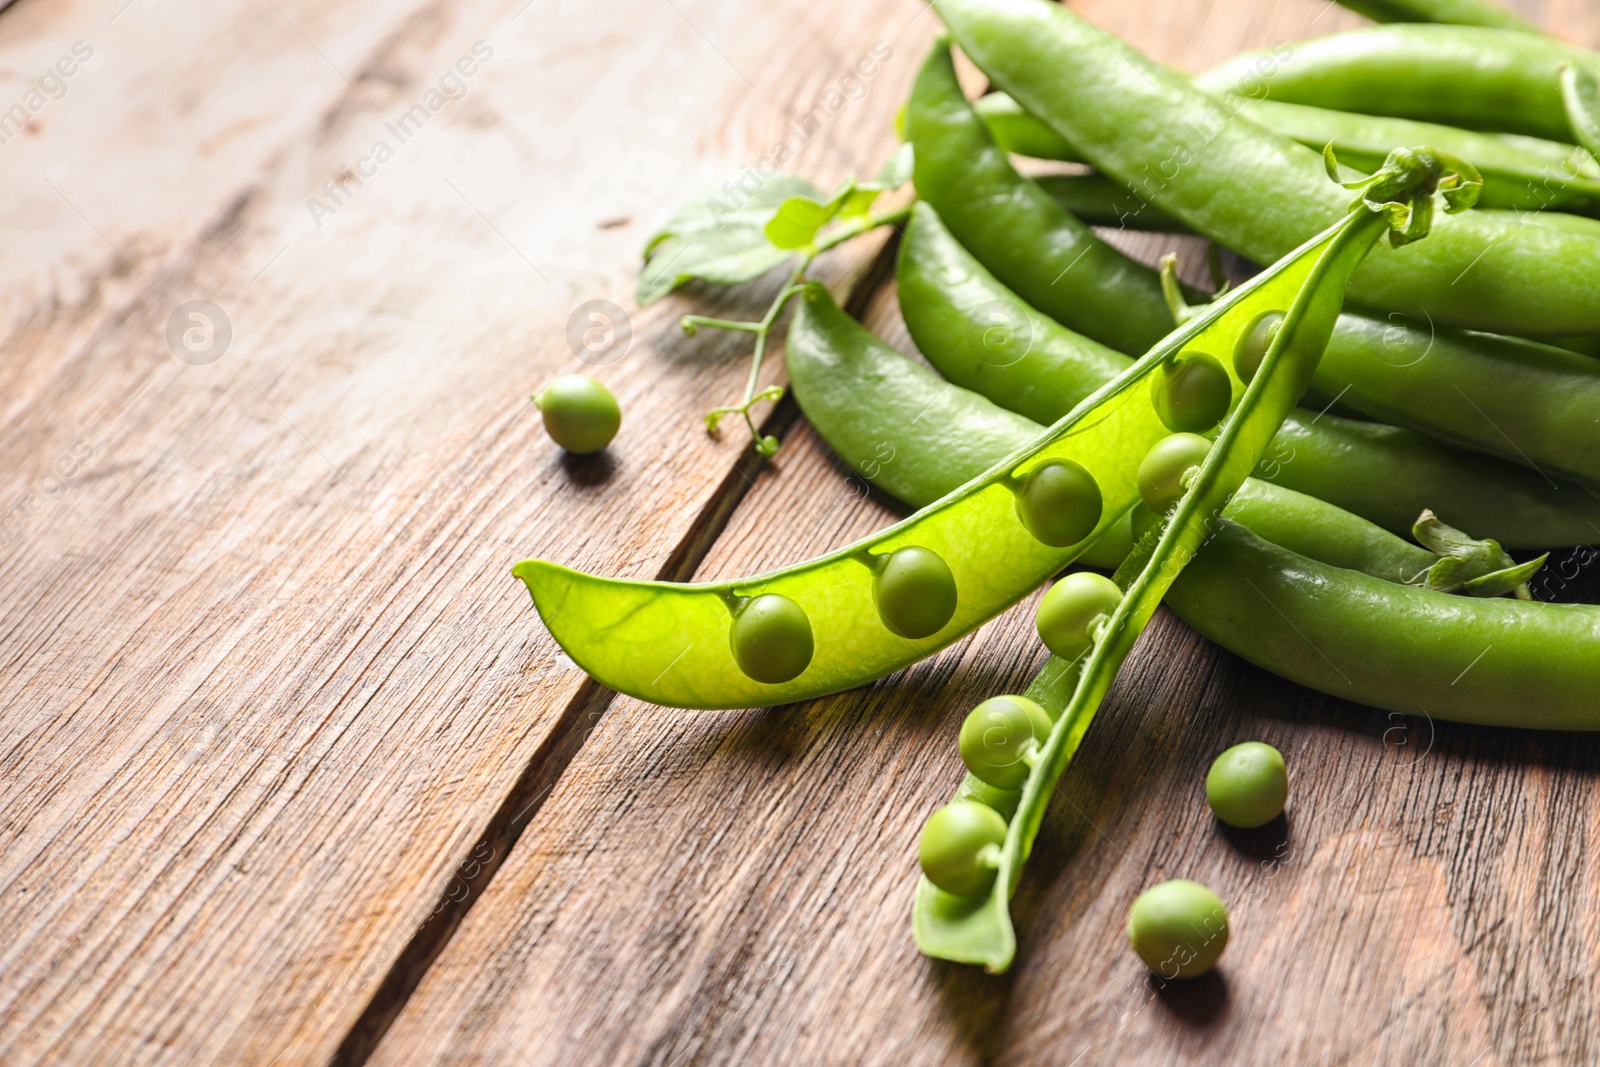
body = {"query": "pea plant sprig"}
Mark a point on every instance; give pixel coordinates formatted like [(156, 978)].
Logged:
[(783, 218)]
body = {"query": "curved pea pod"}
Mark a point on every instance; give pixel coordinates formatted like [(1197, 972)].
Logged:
[(1519, 173), (1499, 662), (1466, 76), (1456, 12), (1025, 236), (676, 644), (1261, 193)]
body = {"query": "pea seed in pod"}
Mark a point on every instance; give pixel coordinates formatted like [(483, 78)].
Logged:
[(915, 592), (1162, 470), (1059, 502), (1192, 393), (771, 639), (1178, 928), (579, 413), (1252, 347), (1248, 785), (960, 847), (1000, 736), (1070, 608)]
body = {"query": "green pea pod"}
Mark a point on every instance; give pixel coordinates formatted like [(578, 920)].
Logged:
[(979, 929), (1053, 259), (1498, 662), (1096, 200), (1456, 12), (820, 629), (1527, 402), (982, 336), (1519, 173), (1468, 76), (1258, 192)]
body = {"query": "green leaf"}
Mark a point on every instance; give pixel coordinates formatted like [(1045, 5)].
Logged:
[(798, 220), (719, 239)]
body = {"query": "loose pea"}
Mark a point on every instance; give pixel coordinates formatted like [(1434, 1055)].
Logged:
[(1191, 394), (1247, 785), (1059, 502), (915, 592), (579, 413), (960, 847), (1252, 347), (1164, 466), (771, 639), (999, 736), (1178, 928), (1070, 607)]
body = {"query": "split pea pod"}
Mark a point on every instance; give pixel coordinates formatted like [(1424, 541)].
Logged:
[(984, 337), (1468, 76), (1519, 173), (1258, 192), (832, 623)]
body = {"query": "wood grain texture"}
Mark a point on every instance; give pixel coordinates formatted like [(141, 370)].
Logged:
[(736, 887), (267, 681)]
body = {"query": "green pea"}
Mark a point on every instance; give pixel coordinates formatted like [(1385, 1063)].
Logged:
[(771, 639), (1191, 394), (1070, 608), (1162, 470), (579, 413), (915, 592), (999, 738), (1247, 785), (1252, 347), (960, 847), (1059, 502), (1178, 928)]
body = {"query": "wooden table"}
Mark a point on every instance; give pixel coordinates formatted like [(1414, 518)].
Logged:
[(291, 772)]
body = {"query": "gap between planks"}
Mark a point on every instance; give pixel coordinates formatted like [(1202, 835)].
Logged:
[(571, 730)]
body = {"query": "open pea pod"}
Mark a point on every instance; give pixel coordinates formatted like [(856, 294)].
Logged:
[(830, 624), (1311, 285)]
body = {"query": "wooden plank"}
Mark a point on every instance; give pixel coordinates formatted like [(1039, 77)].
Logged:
[(268, 683), (736, 887)]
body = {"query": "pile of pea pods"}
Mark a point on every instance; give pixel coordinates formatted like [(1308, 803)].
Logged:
[(1348, 469)]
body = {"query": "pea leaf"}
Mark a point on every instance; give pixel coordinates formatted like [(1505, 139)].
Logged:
[(798, 220), (720, 239)]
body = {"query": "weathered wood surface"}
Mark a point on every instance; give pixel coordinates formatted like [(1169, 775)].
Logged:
[(270, 693), (273, 714)]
